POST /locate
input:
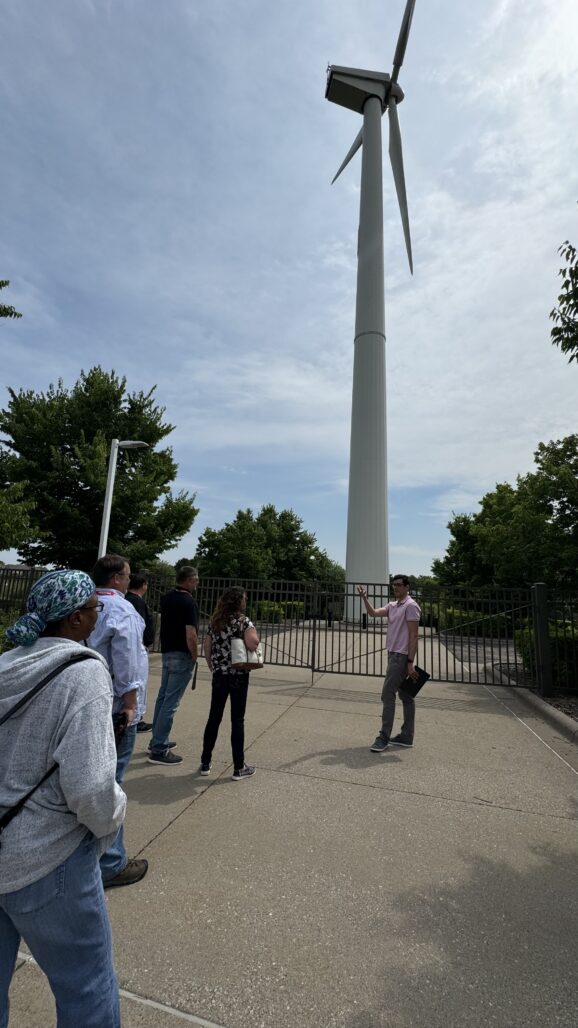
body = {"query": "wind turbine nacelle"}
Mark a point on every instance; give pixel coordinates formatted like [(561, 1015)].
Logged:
[(351, 87)]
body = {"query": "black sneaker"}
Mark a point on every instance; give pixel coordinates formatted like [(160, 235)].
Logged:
[(205, 769), (398, 740), (144, 726), (167, 758), (150, 746), (132, 873), (243, 772), (380, 745)]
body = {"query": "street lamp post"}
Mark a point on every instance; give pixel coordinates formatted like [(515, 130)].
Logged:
[(115, 446)]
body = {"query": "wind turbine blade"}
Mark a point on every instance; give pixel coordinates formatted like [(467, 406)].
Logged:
[(402, 39), (352, 151), (396, 158)]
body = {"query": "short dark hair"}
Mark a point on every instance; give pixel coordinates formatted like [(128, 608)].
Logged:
[(137, 580), (183, 574), (402, 578), (106, 567)]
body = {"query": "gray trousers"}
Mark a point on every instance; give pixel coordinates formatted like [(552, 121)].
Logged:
[(395, 675)]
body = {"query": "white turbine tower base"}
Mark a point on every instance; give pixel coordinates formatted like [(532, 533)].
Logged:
[(371, 93)]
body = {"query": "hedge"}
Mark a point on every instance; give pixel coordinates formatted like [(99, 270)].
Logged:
[(473, 622), (563, 654)]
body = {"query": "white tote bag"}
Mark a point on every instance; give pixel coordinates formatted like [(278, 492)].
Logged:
[(243, 659)]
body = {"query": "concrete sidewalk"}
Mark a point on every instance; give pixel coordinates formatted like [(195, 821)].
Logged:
[(343, 889)]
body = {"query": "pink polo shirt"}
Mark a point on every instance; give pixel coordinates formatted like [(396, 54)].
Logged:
[(398, 615)]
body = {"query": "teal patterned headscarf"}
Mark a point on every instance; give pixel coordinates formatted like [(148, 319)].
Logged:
[(51, 598)]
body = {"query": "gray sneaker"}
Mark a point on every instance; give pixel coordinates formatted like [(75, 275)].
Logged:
[(166, 759), (398, 740), (380, 745), (243, 772)]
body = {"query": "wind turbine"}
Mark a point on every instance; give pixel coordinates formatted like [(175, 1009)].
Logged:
[(371, 93)]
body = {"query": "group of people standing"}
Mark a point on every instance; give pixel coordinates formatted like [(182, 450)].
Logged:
[(77, 675), (73, 694)]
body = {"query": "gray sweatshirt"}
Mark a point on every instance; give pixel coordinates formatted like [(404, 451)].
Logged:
[(69, 723)]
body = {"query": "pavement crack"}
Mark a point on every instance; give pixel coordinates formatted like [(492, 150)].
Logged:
[(476, 802)]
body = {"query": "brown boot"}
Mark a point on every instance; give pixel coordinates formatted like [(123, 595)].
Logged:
[(133, 872)]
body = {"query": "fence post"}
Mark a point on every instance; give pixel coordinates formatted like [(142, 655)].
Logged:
[(314, 631), (542, 638)]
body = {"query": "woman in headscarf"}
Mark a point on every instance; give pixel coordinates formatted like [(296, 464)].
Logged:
[(51, 892)]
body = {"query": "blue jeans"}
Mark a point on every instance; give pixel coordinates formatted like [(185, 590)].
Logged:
[(63, 919), (177, 672), (115, 859)]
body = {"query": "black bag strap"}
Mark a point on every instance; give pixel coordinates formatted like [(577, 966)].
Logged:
[(13, 811), (56, 671)]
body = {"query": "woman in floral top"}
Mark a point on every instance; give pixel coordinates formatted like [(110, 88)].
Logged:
[(227, 622)]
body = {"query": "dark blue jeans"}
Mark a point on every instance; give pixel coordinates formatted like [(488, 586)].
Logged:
[(64, 921), (235, 686)]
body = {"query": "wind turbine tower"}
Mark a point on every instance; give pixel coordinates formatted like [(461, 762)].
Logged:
[(370, 93)]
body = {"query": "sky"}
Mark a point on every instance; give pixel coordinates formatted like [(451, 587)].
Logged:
[(166, 211)]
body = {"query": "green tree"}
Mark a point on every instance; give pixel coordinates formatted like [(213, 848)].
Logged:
[(565, 315), (59, 441), (15, 515), (462, 563), (184, 562), (523, 533), (269, 545), (5, 310)]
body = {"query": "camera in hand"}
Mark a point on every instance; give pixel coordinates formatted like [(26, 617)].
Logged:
[(120, 725)]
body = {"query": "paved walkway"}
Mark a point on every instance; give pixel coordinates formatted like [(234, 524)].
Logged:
[(342, 889)]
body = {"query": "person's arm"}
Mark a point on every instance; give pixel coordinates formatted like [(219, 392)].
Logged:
[(126, 667), (250, 638), (208, 651), (149, 632), (86, 757), (192, 640), (379, 612), (413, 629)]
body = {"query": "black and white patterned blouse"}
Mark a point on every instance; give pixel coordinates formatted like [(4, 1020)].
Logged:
[(221, 643)]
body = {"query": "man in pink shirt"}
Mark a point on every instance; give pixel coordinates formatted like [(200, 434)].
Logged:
[(403, 622)]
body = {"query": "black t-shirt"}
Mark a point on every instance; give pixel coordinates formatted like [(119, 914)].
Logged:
[(148, 636), (178, 609)]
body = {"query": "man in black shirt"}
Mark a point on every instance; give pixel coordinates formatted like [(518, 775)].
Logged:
[(135, 594), (179, 641)]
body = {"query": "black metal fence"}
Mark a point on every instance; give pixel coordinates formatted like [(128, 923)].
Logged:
[(522, 637)]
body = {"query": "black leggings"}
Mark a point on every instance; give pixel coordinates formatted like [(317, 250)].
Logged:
[(236, 687)]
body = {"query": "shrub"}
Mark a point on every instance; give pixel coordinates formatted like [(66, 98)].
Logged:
[(7, 618), (563, 654), (269, 611), (473, 622), (294, 609)]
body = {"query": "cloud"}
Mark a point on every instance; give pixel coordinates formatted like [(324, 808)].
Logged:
[(168, 212)]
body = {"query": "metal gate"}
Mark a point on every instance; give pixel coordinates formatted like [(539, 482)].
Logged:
[(466, 635), (526, 637)]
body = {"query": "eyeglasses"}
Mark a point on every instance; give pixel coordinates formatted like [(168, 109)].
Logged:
[(98, 607)]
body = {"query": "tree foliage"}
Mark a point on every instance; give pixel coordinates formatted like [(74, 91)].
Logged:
[(6, 311), (524, 533), (268, 545), (15, 516), (565, 315), (58, 443)]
